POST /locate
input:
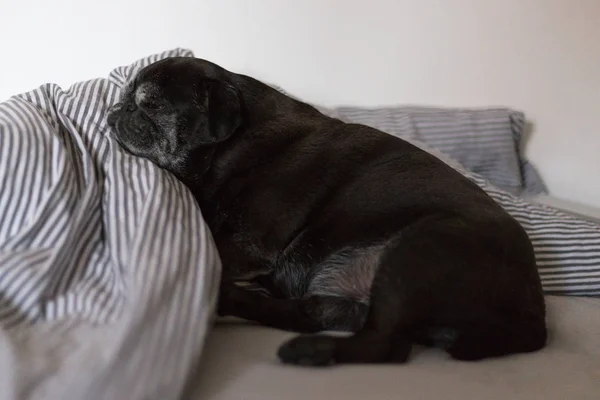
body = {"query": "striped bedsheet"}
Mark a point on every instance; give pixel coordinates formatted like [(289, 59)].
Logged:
[(108, 274)]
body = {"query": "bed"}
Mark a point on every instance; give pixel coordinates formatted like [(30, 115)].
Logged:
[(109, 275)]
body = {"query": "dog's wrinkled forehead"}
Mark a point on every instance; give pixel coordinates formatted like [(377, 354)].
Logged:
[(176, 80), (146, 91), (142, 87)]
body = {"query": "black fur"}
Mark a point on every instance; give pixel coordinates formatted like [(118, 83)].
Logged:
[(350, 228)]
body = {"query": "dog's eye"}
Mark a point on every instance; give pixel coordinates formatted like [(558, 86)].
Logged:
[(152, 105)]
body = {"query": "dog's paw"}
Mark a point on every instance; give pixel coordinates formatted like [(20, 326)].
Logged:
[(231, 297), (309, 350)]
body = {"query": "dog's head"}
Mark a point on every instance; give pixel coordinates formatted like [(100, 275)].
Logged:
[(175, 108)]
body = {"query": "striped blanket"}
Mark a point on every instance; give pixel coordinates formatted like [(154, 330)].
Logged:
[(108, 273)]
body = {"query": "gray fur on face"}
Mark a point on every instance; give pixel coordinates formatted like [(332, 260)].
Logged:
[(144, 92), (147, 128), (174, 113)]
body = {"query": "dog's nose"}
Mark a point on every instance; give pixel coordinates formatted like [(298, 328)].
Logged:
[(115, 107), (131, 106), (111, 117)]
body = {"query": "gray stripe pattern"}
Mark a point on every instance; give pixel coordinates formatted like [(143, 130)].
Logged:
[(105, 261), (484, 141)]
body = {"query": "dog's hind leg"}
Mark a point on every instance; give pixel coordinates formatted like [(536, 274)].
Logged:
[(397, 303), (448, 275), (499, 339)]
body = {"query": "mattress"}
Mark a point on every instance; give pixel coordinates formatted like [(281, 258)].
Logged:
[(239, 362)]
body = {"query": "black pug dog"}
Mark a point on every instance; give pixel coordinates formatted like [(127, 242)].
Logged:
[(349, 228)]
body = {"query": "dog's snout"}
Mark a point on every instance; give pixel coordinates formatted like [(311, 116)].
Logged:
[(115, 107), (131, 106), (111, 119), (113, 114)]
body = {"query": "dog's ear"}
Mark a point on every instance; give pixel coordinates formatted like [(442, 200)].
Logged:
[(224, 110)]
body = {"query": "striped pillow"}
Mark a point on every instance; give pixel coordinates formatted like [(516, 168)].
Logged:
[(567, 247), (484, 141)]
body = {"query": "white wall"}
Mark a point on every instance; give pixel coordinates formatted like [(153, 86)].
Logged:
[(541, 56)]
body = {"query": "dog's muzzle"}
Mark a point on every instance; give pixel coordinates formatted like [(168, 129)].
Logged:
[(113, 115)]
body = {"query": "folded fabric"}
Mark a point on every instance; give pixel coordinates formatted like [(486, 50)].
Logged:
[(108, 273)]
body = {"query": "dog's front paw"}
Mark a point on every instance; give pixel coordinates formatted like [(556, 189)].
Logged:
[(231, 297), (309, 350)]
